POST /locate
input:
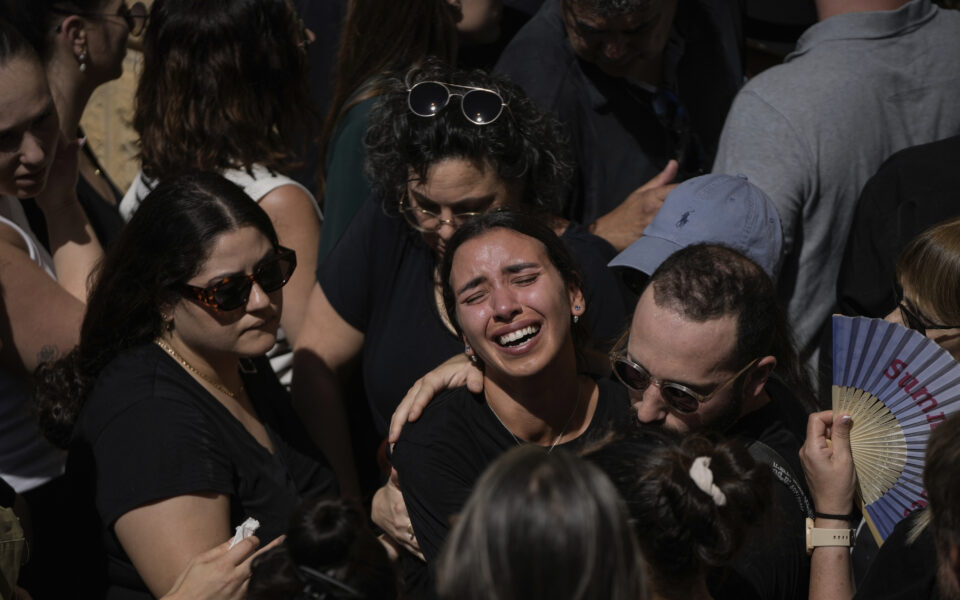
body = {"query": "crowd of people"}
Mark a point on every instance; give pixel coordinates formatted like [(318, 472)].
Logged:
[(547, 319)]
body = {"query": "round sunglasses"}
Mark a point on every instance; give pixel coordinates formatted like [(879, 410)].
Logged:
[(679, 398), (231, 293), (480, 106)]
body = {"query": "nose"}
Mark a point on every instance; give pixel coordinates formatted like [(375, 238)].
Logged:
[(32, 152), (258, 299), (505, 304), (650, 407), (446, 231)]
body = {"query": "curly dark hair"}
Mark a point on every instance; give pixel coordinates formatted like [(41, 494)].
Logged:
[(524, 144), (329, 552), (406, 32), (681, 528), (224, 85), (165, 243)]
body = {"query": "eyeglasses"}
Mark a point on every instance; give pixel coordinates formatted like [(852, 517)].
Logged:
[(230, 293), (916, 321), (134, 16), (479, 105), (425, 221), (679, 398)]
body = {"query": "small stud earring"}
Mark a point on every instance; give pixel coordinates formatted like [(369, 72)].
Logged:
[(577, 307), (466, 348)]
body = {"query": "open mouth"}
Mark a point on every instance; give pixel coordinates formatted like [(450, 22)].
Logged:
[(518, 337)]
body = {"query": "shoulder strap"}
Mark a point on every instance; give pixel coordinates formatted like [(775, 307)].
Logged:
[(782, 471)]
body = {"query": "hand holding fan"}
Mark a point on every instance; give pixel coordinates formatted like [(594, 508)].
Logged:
[(897, 385)]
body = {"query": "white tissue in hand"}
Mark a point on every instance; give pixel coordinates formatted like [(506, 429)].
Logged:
[(245, 530)]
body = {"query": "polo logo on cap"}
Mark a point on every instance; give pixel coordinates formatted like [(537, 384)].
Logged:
[(684, 218)]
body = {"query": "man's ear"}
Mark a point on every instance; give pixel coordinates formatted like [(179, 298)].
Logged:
[(757, 376)]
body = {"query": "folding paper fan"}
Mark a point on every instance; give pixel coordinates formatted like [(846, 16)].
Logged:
[(898, 386)]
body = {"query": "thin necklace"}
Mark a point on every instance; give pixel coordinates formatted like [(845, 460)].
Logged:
[(562, 432), (176, 356)]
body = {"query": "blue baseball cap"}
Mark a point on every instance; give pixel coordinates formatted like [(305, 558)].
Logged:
[(710, 209)]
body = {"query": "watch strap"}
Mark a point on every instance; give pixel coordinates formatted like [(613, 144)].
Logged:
[(828, 537)]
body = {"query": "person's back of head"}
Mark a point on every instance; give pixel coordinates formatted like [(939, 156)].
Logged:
[(692, 501), (329, 553), (941, 477), (541, 525), (224, 85), (703, 282)]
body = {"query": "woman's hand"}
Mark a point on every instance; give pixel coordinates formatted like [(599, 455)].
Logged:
[(389, 513), (828, 463), (454, 372), (221, 573)]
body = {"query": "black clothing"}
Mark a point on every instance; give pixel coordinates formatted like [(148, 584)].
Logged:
[(440, 456), (903, 571), (773, 564), (622, 134), (913, 190), (149, 431), (379, 279)]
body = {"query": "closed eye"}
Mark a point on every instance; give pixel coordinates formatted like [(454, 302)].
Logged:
[(473, 298), (526, 280)]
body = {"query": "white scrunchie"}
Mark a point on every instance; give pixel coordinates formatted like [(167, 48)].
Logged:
[(701, 475)]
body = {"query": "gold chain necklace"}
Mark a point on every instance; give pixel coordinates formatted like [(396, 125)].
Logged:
[(176, 356)]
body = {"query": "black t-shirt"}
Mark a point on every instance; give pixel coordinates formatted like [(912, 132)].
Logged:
[(914, 189), (440, 456), (901, 570), (773, 563), (149, 431), (379, 279)]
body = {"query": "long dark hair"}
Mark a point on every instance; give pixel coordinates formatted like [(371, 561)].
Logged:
[(329, 552), (405, 34), (541, 525), (224, 85), (523, 145), (165, 243)]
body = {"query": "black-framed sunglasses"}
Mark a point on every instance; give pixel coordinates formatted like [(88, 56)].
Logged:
[(915, 320), (425, 221), (230, 293), (679, 398), (134, 16), (480, 106)]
